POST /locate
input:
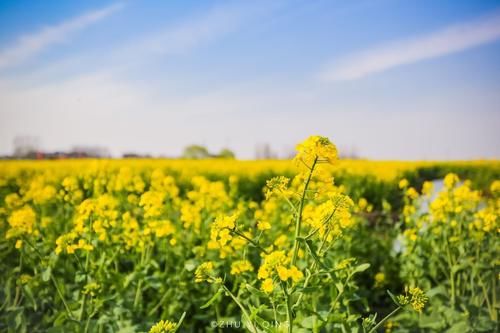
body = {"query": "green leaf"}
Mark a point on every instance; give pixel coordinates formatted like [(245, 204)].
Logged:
[(459, 327), (190, 265), (393, 297), (309, 246), (248, 324), (484, 324), (361, 268), (434, 321), (439, 290), (129, 278), (309, 322), (310, 289), (255, 291), (46, 274), (19, 318), (213, 299), (29, 294), (179, 322)]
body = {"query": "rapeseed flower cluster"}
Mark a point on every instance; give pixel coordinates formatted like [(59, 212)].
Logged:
[(163, 326), (316, 148), (71, 242), (21, 222), (415, 297), (223, 237), (206, 273), (276, 266), (240, 266)]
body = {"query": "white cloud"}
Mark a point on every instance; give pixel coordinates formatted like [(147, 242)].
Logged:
[(452, 39), (30, 45), (196, 30), (193, 32), (177, 37)]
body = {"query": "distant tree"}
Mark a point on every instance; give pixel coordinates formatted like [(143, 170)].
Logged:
[(195, 152), (264, 152), (226, 153), (25, 146)]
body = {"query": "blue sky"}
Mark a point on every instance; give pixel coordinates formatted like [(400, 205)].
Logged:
[(388, 79)]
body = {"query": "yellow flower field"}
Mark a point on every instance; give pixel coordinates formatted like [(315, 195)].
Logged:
[(385, 170), (264, 246)]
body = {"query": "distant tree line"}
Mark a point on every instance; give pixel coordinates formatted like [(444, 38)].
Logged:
[(198, 152)]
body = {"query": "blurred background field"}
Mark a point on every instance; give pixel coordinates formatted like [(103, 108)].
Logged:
[(373, 180)]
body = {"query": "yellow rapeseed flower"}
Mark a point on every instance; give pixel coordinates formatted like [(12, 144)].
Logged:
[(411, 193), (450, 180), (316, 148), (427, 188), (403, 183), (415, 297), (263, 225), (240, 266), (163, 326), (205, 272), (267, 285), (21, 221), (379, 279), (495, 187)]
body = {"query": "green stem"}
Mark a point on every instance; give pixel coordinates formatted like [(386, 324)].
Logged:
[(298, 221), (103, 261), (288, 306), (253, 329), (340, 293), (452, 274), (374, 329), (275, 315), (39, 254), (87, 324), (18, 287), (138, 291), (217, 317), (494, 297), (79, 262), (18, 294), (249, 240), (179, 323), (313, 266), (137, 294), (486, 298), (68, 311), (157, 306), (306, 283), (85, 296), (292, 206), (82, 308), (289, 314)]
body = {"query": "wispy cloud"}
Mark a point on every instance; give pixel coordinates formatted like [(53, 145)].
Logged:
[(29, 46), (452, 39), (180, 36), (197, 30)]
